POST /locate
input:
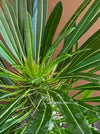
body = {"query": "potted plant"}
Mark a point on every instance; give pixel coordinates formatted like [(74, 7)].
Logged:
[(34, 92)]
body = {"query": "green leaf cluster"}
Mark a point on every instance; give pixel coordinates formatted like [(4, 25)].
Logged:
[(35, 91)]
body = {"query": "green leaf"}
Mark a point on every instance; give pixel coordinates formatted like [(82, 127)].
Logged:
[(11, 86), (22, 10), (10, 94), (2, 63), (86, 20), (7, 74), (12, 21), (91, 99), (26, 126), (86, 94), (29, 38), (15, 7), (7, 111), (10, 108), (9, 125), (76, 15), (95, 69), (6, 54), (57, 128), (90, 86), (7, 36), (71, 113), (88, 59), (70, 23), (77, 94), (92, 113), (30, 4), (83, 76), (54, 46), (92, 22), (19, 106), (42, 120), (45, 6), (62, 64), (7, 80), (94, 131), (50, 29), (37, 21), (51, 66), (89, 63), (4, 91)]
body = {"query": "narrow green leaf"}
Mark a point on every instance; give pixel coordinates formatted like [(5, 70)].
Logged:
[(45, 6), (84, 76), (52, 49), (29, 38), (19, 106), (30, 4), (71, 113), (7, 80), (4, 91), (92, 113), (92, 22), (42, 120), (15, 7), (37, 21), (12, 21), (76, 15), (22, 10), (2, 63), (10, 94), (11, 86), (6, 54), (86, 20), (91, 99), (15, 116), (51, 66), (9, 125), (89, 63), (10, 108), (95, 69), (25, 128), (7, 111), (95, 131), (62, 64), (7, 36), (77, 94), (50, 29), (90, 86), (5, 73), (84, 60), (86, 94)]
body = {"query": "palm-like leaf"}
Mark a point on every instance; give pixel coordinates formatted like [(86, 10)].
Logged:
[(36, 86)]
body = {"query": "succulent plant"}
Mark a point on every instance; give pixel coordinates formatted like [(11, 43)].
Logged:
[(34, 91)]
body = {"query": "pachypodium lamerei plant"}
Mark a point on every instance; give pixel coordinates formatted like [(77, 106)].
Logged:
[(34, 92)]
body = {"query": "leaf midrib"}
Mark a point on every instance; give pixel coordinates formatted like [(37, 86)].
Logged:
[(70, 112)]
